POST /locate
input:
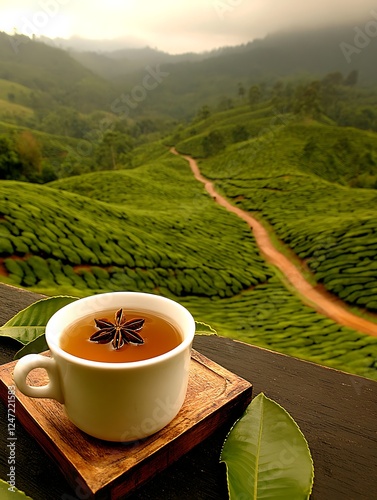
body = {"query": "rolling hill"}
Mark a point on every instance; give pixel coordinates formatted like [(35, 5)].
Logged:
[(154, 228), (330, 226), (52, 74), (193, 80), (88, 81)]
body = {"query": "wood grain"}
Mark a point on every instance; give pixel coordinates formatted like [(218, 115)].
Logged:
[(336, 411), (13, 299), (107, 470)]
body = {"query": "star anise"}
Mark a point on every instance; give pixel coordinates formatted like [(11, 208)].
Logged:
[(119, 333)]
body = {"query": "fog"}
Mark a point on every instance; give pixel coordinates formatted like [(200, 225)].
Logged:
[(178, 26)]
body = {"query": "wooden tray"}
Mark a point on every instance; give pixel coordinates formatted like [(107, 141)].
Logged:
[(100, 469)]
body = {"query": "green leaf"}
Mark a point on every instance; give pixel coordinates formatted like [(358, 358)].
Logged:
[(34, 347), (8, 492), (267, 456), (204, 329), (30, 323)]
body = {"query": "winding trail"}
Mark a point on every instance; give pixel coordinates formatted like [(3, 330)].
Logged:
[(321, 300)]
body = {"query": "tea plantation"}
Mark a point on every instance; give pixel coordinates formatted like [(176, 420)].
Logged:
[(272, 317), (333, 228), (153, 228)]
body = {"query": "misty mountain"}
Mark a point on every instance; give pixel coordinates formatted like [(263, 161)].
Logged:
[(192, 80), (56, 77), (145, 82), (314, 52), (121, 62), (187, 85)]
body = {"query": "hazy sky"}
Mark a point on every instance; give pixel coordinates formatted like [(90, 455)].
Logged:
[(176, 26)]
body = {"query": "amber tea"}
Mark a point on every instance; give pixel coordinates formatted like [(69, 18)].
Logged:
[(120, 336)]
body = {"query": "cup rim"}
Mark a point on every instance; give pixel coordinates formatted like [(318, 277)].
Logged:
[(53, 324)]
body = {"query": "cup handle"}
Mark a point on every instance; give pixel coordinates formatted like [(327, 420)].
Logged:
[(24, 366)]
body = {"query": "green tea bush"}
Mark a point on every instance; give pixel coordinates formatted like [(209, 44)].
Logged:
[(332, 228), (4, 229), (40, 268), (29, 278), (6, 247), (73, 276), (55, 266), (99, 273), (120, 280), (153, 228), (270, 316), (14, 269), (70, 255), (89, 279)]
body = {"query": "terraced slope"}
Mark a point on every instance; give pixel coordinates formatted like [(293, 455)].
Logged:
[(344, 155), (332, 228), (153, 228), (320, 300), (271, 316), (145, 234), (14, 113)]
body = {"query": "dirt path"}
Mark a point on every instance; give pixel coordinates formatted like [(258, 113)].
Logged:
[(321, 300)]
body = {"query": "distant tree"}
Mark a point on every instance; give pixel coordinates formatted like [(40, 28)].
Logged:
[(65, 121), (143, 127), (241, 91), (282, 96), (48, 174), (332, 79), (254, 94), (277, 90), (213, 143), (367, 119), (71, 165), (10, 166), (240, 133), (307, 100), (30, 155), (203, 113), (331, 93), (225, 104), (11, 97), (113, 152), (352, 78)]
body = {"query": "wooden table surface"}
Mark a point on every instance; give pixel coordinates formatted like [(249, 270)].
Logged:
[(336, 411)]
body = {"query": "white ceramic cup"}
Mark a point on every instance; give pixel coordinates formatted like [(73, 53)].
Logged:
[(114, 401)]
